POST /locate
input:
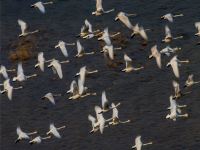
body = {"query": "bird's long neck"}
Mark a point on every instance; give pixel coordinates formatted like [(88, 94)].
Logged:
[(57, 95), (178, 15), (44, 138), (64, 62), (148, 143), (47, 3), (35, 132), (125, 121), (178, 37), (183, 61), (108, 11), (91, 53), (130, 15), (20, 87), (90, 72), (62, 127), (115, 34), (33, 75), (11, 70), (196, 82)]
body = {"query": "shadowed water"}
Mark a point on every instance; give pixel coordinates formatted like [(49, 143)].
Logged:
[(143, 95)]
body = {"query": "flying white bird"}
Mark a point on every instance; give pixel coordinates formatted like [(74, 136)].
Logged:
[(115, 116), (175, 111), (40, 5), (123, 17), (78, 91), (138, 143), (22, 135), (62, 46), (156, 54), (50, 97), (41, 61), (54, 130), (174, 103), (177, 90), (197, 25), (105, 104), (4, 71), (87, 31), (106, 36), (20, 74), (9, 89), (38, 139), (174, 63), (140, 31), (56, 67), (84, 71), (170, 17), (168, 36), (99, 9), (24, 27), (129, 66), (168, 50), (100, 119), (190, 81), (95, 125), (80, 50)]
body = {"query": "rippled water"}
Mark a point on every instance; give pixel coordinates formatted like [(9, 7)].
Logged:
[(144, 94)]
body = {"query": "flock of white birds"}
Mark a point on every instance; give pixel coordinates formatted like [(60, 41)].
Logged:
[(78, 89)]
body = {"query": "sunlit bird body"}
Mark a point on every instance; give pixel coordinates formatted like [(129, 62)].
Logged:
[(81, 51), (20, 74), (190, 81), (115, 116), (170, 17), (138, 143), (99, 9), (54, 130), (129, 66), (24, 27), (156, 54), (168, 36), (22, 135), (38, 139), (40, 5), (50, 97)]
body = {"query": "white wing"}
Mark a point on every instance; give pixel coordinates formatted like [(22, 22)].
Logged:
[(4, 72), (88, 25), (101, 121), (57, 67), (63, 48), (111, 52), (41, 60), (80, 86), (99, 6), (115, 111), (50, 97), (169, 17), (23, 25), (128, 60), (79, 47), (124, 19), (54, 131), (143, 33), (104, 100), (92, 119), (20, 69), (138, 143), (197, 25), (174, 65), (167, 32), (83, 74), (40, 6)]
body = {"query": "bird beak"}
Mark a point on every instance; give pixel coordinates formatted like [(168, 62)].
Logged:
[(116, 18), (162, 17), (100, 38), (49, 66)]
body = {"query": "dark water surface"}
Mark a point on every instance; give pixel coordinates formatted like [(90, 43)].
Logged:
[(144, 94)]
